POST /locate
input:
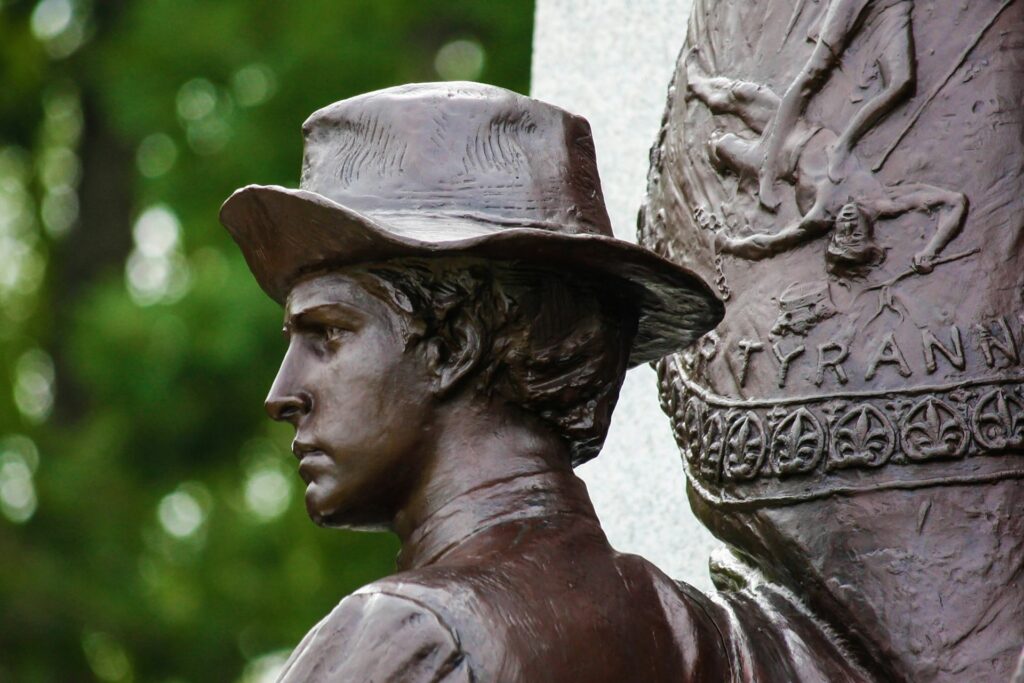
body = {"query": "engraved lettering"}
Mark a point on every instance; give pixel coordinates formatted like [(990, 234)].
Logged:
[(839, 353), (784, 360), (747, 348), (988, 342), (955, 356), (888, 353)]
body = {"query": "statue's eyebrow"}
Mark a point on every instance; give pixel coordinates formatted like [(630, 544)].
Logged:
[(334, 313)]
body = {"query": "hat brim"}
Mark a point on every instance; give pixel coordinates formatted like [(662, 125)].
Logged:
[(285, 233)]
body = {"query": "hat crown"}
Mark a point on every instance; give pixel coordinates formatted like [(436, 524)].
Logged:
[(459, 169), (459, 150)]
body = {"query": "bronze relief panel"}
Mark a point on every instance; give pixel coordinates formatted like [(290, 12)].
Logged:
[(848, 174)]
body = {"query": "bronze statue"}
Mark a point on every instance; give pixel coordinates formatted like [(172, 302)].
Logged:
[(460, 321), (849, 174)]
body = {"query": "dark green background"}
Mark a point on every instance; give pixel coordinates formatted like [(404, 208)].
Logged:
[(153, 402)]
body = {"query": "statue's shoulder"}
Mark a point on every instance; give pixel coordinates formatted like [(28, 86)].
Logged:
[(356, 641)]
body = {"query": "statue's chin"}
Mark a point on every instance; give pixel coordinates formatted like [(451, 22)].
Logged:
[(326, 511)]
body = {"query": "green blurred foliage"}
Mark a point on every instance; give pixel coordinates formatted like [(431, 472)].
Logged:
[(151, 522)]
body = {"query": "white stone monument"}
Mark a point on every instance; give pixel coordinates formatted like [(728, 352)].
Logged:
[(611, 61)]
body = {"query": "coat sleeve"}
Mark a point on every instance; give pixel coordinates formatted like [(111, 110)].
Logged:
[(379, 637)]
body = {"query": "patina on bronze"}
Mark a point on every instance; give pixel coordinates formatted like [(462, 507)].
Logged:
[(460, 321), (850, 173)]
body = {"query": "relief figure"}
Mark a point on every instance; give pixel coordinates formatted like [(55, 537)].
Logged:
[(843, 21), (846, 209)]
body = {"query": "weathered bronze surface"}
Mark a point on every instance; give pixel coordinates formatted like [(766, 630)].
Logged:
[(850, 174), (460, 321)]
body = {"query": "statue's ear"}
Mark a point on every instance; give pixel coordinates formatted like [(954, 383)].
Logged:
[(454, 355)]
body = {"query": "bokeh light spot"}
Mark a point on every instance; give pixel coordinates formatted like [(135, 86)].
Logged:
[(180, 513), (460, 60), (23, 268), (156, 155), (156, 279), (208, 136), (156, 271), (60, 26), (253, 84), (267, 492), (196, 98), (50, 18), (63, 122), (17, 490), (265, 668), (59, 167), (107, 658), (22, 448), (156, 231), (19, 459), (59, 210), (34, 377)]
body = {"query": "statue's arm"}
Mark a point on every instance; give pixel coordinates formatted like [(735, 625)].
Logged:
[(950, 205), (764, 245), (379, 637)]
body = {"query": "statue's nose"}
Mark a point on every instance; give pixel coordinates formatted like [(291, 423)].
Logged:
[(288, 401), (288, 407)]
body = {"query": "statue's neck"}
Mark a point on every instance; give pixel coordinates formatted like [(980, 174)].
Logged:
[(470, 515), (487, 464)]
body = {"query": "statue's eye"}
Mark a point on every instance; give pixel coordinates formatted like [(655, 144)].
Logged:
[(331, 333)]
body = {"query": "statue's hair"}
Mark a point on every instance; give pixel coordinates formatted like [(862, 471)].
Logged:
[(553, 344)]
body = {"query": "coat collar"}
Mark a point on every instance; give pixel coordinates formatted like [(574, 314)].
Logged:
[(540, 496)]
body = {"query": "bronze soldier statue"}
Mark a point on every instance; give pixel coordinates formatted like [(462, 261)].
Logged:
[(460, 321)]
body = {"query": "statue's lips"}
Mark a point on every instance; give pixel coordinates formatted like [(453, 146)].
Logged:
[(312, 463), (311, 460)]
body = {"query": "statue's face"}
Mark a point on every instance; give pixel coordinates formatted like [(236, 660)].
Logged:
[(851, 227), (360, 401)]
